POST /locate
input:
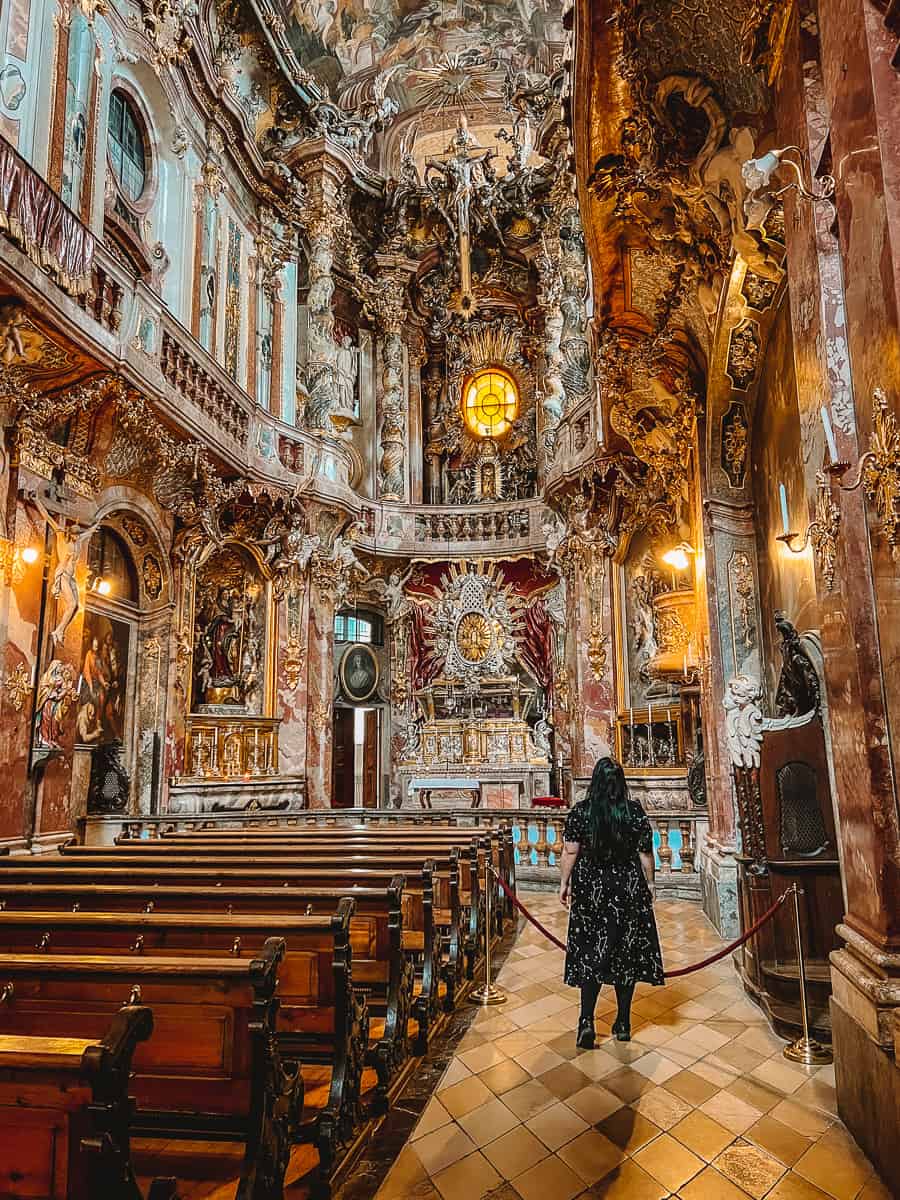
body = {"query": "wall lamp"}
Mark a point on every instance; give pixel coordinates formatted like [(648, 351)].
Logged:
[(758, 174), (878, 472), (15, 558), (678, 558)]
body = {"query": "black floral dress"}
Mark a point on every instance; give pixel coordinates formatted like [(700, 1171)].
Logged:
[(612, 931)]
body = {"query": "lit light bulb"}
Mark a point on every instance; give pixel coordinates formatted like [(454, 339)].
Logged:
[(677, 559), (30, 555), (103, 587)]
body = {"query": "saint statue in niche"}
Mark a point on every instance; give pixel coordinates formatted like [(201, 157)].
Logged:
[(220, 651)]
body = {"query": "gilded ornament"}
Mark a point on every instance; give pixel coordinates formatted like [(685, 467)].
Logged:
[(474, 637), (18, 687), (292, 661), (881, 475)]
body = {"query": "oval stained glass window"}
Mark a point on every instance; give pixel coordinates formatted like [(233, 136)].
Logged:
[(490, 403)]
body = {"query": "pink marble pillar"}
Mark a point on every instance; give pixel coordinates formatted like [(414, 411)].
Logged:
[(319, 694), (291, 684), (593, 697)]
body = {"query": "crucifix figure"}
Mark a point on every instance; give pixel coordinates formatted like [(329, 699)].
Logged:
[(69, 541), (457, 186)]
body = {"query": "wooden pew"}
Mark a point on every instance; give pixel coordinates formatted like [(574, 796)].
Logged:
[(212, 1070), (331, 867), (375, 926), (65, 1114), (501, 840), (321, 852), (314, 1025)]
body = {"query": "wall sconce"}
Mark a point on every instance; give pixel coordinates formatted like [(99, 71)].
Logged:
[(101, 586), (822, 531), (878, 472), (757, 174), (14, 559)]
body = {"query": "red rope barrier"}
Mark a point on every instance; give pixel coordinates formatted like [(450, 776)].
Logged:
[(706, 962)]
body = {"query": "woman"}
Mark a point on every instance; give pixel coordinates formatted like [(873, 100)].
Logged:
[(612, 930)]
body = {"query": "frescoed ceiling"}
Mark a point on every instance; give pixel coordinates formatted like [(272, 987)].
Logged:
[(344, 42)]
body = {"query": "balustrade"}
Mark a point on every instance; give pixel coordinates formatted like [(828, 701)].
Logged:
[(497, 523), (183, 371)]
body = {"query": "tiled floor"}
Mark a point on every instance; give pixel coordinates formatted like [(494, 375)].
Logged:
[(700, 1105)]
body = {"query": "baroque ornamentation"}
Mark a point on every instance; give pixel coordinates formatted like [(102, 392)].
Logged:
[(743, 354), (164, 23), (17, 685), (881, 472), (735, 443)]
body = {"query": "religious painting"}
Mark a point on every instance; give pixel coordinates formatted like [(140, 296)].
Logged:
[(103, 680), (359, 673), (229, 633)]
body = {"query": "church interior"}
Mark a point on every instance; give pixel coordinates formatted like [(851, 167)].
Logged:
[(406, 404)]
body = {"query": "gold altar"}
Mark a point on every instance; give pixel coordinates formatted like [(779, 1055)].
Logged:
[(231, 747), (485, 725)]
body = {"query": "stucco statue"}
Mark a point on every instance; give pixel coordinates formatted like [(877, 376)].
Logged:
[(743, 720), (412, 741), (540, 736)]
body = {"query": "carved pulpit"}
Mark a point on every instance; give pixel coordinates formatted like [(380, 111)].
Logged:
[(787, 836)]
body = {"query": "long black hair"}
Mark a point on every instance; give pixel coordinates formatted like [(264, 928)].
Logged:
[(607, 803)]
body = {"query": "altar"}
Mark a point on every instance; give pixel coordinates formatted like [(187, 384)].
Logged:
[(475, 739)]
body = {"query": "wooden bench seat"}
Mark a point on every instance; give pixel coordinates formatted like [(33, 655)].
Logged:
[(462, 916), (323, 870), (213, 1067), (65, 1114), (391, 923), (315, 978), (500, 838)]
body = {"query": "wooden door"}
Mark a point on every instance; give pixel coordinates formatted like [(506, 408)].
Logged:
[(370, 759), (342, 784)]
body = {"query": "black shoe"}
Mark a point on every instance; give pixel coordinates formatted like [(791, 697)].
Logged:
[(585, 1039), (622, 1030)]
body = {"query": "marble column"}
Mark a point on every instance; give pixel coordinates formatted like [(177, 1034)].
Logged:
[(732, 606), (594, 706), (849, 80), (319, 690), (387, 303)]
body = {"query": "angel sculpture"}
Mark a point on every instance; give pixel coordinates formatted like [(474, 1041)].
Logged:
[(64, 587), (743, 720), (397, 606)]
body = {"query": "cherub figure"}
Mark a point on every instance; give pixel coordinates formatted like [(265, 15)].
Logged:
[(64, 587)]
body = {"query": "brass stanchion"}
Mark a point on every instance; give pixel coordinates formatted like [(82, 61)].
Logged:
[(487, 994), (804, 1049)]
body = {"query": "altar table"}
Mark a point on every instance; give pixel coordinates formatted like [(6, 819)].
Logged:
[(451, 783)]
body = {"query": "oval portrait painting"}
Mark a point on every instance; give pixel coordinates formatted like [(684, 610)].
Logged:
[(359, 673)]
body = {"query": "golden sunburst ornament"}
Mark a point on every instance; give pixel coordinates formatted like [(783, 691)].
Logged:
[(473, 637), (455, 81)]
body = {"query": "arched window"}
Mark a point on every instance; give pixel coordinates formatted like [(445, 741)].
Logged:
[(110, 568), (490, 403), (127, 149)]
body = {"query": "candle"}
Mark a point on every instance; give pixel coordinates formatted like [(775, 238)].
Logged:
[(668, 716), (829, 435), (782, 493)]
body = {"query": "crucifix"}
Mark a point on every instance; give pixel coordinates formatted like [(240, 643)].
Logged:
[(456, 186)]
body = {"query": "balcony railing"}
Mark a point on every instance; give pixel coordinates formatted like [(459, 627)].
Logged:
[(490, 529), (33, 216)]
